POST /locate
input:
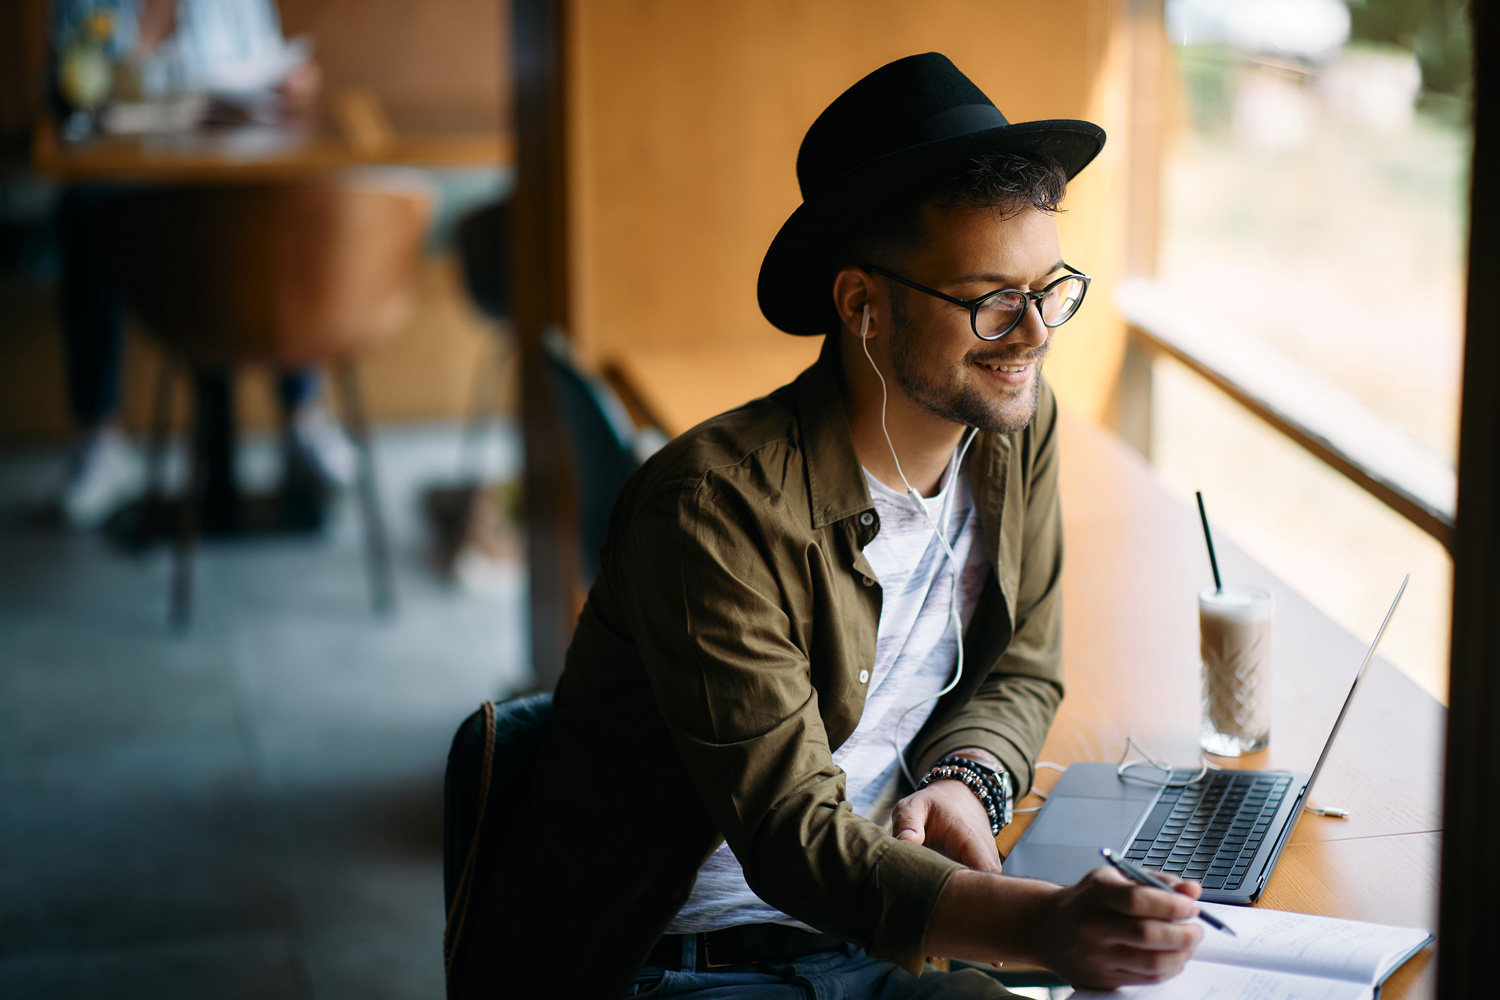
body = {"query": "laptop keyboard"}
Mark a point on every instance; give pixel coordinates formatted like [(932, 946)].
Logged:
[(1209, 832)]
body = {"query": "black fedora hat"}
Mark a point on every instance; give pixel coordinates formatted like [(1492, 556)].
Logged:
[(907, 123)]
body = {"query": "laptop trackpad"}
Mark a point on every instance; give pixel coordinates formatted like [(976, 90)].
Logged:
[(1087, 822), (1062, 846)]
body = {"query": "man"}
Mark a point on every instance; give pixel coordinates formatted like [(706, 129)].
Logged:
[(778, 610)]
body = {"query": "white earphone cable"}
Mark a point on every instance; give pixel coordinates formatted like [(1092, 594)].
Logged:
[(954, 617)]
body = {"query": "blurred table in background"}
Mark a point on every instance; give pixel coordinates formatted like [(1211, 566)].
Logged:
[(1130, 655), (353, 128)]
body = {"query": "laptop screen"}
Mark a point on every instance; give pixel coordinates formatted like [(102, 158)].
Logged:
[(1353, 687)]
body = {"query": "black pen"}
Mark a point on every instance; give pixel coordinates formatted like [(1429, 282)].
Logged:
[(1136, 873)]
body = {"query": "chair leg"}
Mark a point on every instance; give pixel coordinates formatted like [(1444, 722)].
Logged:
[(187, 523), (487, 378), (470, 460), (377, 550)]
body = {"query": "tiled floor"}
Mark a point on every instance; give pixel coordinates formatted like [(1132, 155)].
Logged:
[(251, 809)]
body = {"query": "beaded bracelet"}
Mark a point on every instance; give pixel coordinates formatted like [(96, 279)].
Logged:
[(991, 786), (998, 781), (989, 775)]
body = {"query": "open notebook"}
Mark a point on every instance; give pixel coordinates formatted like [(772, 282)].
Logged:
[(1283, 956)]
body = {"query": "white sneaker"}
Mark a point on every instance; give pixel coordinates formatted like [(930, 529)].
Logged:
[(104, 473), (316, 448)]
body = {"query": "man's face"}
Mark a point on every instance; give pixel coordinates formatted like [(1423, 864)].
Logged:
[(938, 362)]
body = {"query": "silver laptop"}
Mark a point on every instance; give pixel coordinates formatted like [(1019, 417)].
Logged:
[(1225, 831)]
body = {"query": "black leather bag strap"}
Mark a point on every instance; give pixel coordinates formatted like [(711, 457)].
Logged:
[(463, 890), (488, 779)]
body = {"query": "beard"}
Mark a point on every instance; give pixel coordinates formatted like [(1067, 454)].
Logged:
[(949, 396)]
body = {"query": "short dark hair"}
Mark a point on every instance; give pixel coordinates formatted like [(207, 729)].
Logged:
[(1008, 182)]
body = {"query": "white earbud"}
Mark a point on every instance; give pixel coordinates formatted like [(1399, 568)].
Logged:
[(864, 324)]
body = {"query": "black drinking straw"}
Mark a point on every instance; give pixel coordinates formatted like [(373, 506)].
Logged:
[(1209, 538)]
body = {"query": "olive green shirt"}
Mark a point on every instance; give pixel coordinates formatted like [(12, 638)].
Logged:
[(718, 662)]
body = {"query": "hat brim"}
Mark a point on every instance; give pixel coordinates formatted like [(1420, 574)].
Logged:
[(793, 288)]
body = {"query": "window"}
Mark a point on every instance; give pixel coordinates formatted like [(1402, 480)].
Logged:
[(1314, 206)]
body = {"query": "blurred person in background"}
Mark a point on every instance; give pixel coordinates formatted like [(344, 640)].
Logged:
[(155, 50)]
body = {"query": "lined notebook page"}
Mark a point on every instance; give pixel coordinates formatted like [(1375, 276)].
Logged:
[(1282, 956), (1206, 981), (1311, 946)]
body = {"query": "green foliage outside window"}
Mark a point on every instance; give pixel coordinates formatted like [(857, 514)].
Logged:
[(1436, 30)]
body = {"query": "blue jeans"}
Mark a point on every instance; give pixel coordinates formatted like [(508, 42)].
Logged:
[(846, 974)]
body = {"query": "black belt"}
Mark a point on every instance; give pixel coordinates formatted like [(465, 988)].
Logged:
[(742, 945)]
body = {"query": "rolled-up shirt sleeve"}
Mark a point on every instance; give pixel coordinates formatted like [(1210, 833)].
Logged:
[(736, 691)]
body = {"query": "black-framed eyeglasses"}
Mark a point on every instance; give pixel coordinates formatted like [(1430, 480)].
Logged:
[(993, 315)]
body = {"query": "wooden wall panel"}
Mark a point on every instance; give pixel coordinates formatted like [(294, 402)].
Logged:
[(685, 119), (454, 52)]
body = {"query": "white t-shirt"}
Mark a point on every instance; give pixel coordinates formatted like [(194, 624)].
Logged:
[(915, 655)]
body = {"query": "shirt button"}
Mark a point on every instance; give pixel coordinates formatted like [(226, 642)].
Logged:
[(867, 519), (868, 582), (864, 677)]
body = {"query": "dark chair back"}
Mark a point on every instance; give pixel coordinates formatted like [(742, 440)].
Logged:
[(484, 240), (603, 439), (489, 768)]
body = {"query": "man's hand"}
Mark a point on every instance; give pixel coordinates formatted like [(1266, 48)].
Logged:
[(1106, 931), (949, 818)]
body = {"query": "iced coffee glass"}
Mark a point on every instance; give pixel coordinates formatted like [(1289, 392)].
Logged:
[(1235, 631)]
